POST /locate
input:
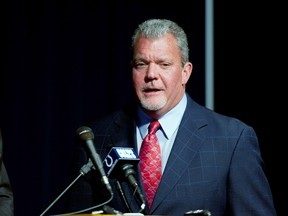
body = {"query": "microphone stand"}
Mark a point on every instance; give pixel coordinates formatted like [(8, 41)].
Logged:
[(83, 171), (119, 188)]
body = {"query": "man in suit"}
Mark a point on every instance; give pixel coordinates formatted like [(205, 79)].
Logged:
[(6, 195), (209, 161)]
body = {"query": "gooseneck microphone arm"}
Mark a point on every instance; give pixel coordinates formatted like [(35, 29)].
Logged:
[(83, 171)]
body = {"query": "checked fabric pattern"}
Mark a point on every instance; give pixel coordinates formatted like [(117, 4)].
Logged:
[(150, 162)]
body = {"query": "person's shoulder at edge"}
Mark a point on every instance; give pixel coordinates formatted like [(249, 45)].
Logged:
[(6, 193)]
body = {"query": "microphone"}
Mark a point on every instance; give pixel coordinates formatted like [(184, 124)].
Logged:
[(124, 159), (86, 134)]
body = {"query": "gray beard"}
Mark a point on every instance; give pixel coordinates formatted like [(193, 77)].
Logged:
[(156, 107)]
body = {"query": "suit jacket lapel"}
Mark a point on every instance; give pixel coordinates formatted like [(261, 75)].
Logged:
[(185, 147)]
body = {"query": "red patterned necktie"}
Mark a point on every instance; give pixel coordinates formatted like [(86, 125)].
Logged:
[(150, 162)]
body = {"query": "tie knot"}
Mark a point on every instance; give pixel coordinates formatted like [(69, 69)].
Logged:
[(154, 126)]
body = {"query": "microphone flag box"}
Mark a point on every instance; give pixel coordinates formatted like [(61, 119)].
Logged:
[(117, 157)]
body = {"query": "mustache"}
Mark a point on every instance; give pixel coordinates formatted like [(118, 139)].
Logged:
[(150, 87)]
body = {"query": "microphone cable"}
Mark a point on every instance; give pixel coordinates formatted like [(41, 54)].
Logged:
[(87, 209)]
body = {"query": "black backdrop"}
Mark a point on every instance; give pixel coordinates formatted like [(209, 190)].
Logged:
[(67, 63)]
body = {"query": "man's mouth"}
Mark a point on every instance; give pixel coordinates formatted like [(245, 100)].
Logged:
[(151, 90)]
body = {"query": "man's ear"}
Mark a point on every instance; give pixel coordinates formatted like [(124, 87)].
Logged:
[(186, 72)]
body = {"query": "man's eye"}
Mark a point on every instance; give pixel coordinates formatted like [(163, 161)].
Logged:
[(165, 65), (139, 65)]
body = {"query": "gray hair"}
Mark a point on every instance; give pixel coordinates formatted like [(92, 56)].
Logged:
[(155, 28)]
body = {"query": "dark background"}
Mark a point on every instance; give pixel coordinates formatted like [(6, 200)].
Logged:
[(66, 63)]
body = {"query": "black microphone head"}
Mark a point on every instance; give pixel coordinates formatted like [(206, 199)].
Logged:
[(128, 169), (85, 133)]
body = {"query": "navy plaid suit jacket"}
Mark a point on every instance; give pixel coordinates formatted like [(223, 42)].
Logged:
[(215, 164)]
